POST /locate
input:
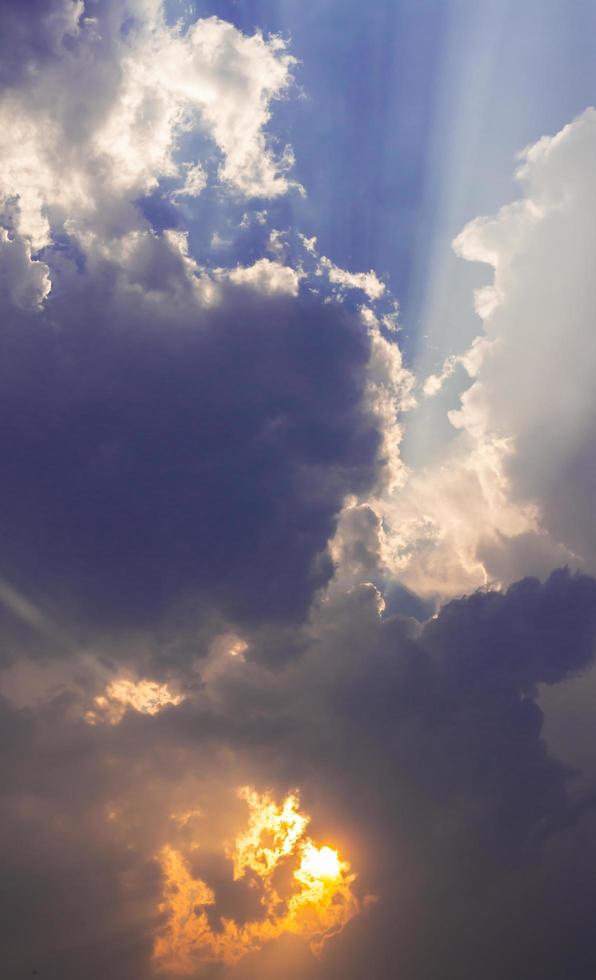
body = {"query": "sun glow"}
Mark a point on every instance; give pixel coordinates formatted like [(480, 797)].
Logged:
[(303, 889), (320, 863)]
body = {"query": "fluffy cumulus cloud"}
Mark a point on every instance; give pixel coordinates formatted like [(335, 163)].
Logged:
[(265, 276), (236, 741), (536, 367), (24, 281), (108, 92), (512, 494)]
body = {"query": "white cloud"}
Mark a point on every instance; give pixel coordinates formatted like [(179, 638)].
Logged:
[(256, 217), (310, 244), (368, 282), (231, 79), (265, 276), (195, 181), (361, 548), (86, 134), (277, 244), (514, 493), (24, 282), (434, 383), (389, 393)]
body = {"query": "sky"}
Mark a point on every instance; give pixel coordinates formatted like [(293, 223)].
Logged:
[(297, 441)]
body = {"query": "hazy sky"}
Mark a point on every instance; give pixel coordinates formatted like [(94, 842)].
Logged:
[(298, 442)]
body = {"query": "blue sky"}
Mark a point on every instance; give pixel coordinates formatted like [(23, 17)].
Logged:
[(408, 123)]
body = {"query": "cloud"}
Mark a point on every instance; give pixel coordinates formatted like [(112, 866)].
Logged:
[(24, 281), (178, 420), (155, 459), (537, 365), (195, 181), (402, 724), (266, 276), (205, 521), (434, 383), (36, 35), (387, 729), (84, 135), (145, 696), (511, 495), (368, 282), (250, 72), (317, 904)]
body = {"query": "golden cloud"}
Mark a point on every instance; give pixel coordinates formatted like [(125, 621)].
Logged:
[(317, 903)]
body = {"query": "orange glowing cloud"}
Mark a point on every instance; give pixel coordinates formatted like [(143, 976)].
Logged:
[(147, 697), (316, 905)]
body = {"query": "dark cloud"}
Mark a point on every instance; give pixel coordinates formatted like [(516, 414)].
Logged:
[(201, 457), (31, 34), (65, 884), (422, 752), (419, 752)]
